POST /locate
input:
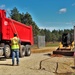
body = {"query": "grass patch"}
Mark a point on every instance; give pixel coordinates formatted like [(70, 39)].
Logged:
[(48, 44), (52, 44)]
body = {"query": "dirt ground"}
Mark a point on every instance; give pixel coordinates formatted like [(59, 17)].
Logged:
[(44, 49), (39, 63)]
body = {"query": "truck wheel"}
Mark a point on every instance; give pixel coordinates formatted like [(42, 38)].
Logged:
[(7, 51), (22, 51), (1, 49), (27, 50)]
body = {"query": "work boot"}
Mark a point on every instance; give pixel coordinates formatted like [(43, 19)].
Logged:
[(12, 64), (17, 64)]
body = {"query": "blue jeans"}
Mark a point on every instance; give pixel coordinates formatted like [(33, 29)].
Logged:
[(15, 53)]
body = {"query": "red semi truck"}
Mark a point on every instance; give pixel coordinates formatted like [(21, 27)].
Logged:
[(8, 27)]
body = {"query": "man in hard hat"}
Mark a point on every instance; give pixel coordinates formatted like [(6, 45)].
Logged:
[(15, 46)]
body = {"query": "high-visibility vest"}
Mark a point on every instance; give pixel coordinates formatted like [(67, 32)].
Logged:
[(15, 43)]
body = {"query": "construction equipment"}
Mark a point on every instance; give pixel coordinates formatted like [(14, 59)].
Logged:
[(66, 45), (8, 27)]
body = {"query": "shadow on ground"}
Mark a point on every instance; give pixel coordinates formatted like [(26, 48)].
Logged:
[(6, 64), (48, 54)]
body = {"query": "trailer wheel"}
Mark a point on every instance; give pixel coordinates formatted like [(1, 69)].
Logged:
[(22, 51), (7, 51), (27, 50)]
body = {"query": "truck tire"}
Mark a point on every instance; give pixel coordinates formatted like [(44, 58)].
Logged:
[(27, 50), (7, 51), (22, 51), (1, 49)]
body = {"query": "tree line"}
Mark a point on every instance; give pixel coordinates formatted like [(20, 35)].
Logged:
[(26, 18)]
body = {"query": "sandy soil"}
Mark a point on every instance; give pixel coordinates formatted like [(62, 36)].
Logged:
[(28, 66), (31, 65)]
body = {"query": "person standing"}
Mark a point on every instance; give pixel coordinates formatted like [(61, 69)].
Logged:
[(15, 46)]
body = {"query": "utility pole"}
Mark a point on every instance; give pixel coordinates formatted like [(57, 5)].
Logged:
[(74, 46)]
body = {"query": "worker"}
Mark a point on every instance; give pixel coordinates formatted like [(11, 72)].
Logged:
[(15, 46)]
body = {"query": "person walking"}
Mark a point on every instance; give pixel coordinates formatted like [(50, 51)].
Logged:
[(15, 46)]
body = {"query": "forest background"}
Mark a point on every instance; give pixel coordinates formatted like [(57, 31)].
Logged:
[(26, 18)]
